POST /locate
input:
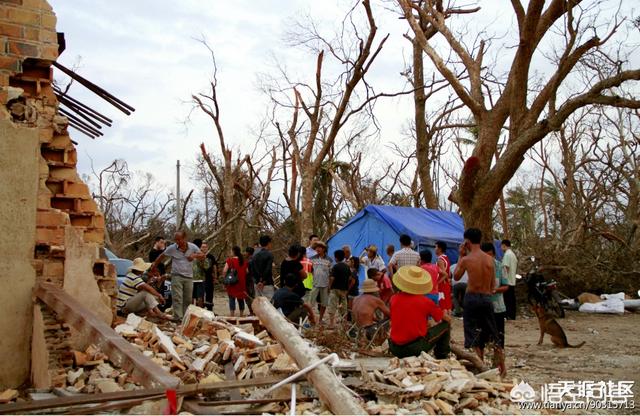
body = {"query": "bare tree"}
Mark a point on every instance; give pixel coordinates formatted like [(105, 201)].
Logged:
[(532, 111), (321, 110), (237, 184)]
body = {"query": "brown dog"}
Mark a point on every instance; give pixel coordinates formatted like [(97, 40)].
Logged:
[(548, 325)]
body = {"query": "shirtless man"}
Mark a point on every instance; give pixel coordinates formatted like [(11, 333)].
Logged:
[(478, 318), (365, 306)]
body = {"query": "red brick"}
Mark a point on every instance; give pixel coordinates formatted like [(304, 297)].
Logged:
[(23, 49), (49, 51), (10, 63), (31, 33), (36, 5), (17, 2), (49, 21), (11, 30), (24, 17), (94, 235), (51, 236), (77, 189), (51, 218), (48, 36)]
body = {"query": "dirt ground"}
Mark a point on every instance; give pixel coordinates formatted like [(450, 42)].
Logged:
[(611, 351)]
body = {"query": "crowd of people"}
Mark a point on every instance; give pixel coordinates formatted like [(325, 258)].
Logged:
[(412, 298)]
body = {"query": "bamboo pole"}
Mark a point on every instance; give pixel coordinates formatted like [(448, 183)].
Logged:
[(335, 395)]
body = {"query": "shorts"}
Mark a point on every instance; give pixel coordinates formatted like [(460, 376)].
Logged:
[(337, 300), (479, 321), (198, 289), (324, 296)]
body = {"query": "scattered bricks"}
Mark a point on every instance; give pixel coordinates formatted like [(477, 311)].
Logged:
[(23, 49), (10, 30)]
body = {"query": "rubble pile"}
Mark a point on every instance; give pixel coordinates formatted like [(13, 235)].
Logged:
[(424, 385), (94, 373), (208, 349)]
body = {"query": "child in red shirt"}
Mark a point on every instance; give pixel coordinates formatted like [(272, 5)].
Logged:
[(383, 281)]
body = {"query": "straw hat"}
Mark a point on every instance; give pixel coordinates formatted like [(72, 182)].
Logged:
[(413, 279), (320, 244), (140, 265), (370, 286)]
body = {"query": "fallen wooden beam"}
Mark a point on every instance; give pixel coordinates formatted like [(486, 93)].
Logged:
[(335, 395), (120, 352), (188, 390)]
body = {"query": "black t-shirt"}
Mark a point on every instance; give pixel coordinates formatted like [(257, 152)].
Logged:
[(341, 274), (153, 255), (286, 300), (294, 267), (355, 289)]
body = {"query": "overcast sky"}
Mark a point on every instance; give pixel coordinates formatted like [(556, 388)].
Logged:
[(144, 52)]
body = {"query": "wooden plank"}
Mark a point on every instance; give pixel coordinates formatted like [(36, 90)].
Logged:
[(120, 352), (335, 395), (188, 390)]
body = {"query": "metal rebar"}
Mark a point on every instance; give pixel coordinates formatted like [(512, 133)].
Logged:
[(101, 92), (76, 120), (80, 107)]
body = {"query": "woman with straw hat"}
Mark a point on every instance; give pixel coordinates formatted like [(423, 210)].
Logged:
[(410, 311)]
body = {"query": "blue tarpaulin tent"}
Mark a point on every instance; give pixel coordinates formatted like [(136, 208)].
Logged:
[(383, 225)]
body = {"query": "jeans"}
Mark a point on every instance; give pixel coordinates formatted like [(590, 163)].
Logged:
[(438, 338), (232, 304), (181, 293)]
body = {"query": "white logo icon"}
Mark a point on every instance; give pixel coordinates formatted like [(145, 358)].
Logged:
[(522, 392)]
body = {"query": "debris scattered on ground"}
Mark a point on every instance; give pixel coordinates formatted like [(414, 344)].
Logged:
[(199, 350)]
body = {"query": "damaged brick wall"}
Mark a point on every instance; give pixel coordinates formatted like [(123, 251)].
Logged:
[(69, 228)]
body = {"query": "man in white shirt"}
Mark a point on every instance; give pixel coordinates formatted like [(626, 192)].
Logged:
[(370, 259), (406, 256), (510, 266), (313, 239)]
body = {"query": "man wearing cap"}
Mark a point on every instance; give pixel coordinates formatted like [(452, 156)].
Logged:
[(369, 259), (366, 306), (321, 271), (136, 296), (410, 312)]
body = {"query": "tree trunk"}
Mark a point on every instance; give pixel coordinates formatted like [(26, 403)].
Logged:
[(480, 215), (306, 206), (423, 139)]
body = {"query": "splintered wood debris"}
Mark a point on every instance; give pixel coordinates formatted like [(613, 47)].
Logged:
[(198, 350)]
